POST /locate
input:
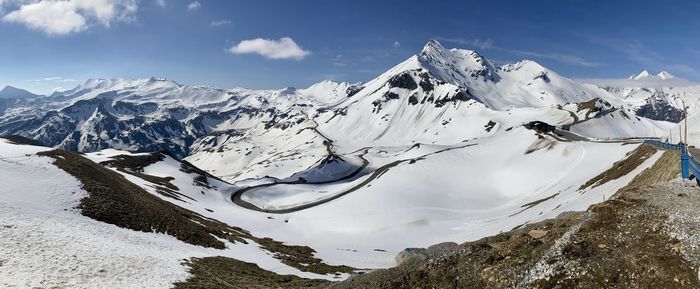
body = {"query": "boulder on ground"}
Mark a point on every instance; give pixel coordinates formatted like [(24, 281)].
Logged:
[(411, 254)]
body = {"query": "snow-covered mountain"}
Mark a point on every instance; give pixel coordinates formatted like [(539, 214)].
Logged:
[(645, 75), (659, 97), (438, 96), (444, 96), (445, 146), (13, 92), (153, 114), (12, 96)]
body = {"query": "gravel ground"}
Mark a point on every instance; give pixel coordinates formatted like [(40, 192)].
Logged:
[(680, 201)]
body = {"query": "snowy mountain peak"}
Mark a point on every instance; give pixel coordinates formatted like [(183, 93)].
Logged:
[(523, 65), (329, 91), (13, 92), (645, 75), (665, 75), (642, 75), (434, 52), (455, 66), (432, 46)]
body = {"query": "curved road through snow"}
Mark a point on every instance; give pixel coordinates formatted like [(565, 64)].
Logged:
[(236, 197)]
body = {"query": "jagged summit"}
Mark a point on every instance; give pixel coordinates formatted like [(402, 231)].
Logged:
[(432, 46), (642, 75), (645, 75), (522, 84), (665, 75), (454, 65)]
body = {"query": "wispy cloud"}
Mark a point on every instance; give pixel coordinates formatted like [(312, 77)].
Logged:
[(57, 18), (634, 50), (283, 48), (194, 6), (488, 43), (53, 79), (684, 69), (563, 58), (482, 44), (218, 23), (638, 52), (397, 44), (161, 3)]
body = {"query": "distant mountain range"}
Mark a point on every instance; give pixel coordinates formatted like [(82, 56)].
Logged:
[(12, 92), (434, 96)]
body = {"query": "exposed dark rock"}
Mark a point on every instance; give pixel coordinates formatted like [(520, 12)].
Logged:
[(543, 76), (352, 90), (425, 82), (390, 95), (403, 80), (539, 126), (657, 108), (489, 126), (458, 96), (413, 100)]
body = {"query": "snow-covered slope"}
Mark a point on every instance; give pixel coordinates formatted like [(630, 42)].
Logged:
[(412, 195), (45, 241)]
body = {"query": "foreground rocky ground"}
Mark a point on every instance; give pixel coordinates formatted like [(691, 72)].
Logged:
[(646, 236)]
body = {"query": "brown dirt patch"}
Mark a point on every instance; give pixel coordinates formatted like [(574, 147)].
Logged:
[(621, 168)]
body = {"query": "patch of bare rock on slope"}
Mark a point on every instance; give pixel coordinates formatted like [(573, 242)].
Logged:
[(645, 237)]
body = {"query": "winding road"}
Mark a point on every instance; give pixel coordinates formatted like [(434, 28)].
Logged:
[(236, 197)]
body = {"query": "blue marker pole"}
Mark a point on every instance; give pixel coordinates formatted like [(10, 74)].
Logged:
[(684, 164)]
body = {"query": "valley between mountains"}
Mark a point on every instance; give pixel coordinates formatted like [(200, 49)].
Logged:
[(152, 184)]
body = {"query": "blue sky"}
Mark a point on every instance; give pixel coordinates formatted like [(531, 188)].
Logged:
[(207, 42)]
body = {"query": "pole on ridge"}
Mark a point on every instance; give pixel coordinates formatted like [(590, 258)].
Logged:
[(684, 165), (685, 113)]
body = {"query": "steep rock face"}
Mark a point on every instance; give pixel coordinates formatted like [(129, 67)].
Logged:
[(665, 104), (658, 97), (522, 84), (658, 108)]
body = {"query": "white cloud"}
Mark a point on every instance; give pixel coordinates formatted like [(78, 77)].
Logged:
[(563, 58), (487, 43), (53, 79), (283, 48), (161, 3), (194, 6), (218, 23), (645, 83), (397, 44), (475, 42), (69, 16)]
